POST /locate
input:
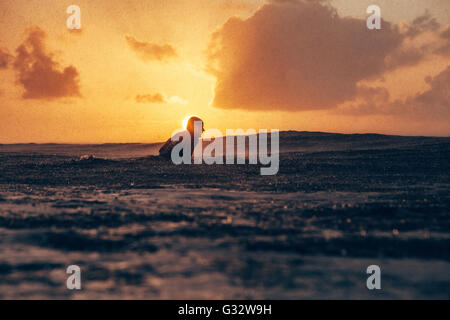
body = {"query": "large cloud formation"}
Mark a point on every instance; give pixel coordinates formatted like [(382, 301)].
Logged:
[(147, 51), (39, 73), (301, 55)]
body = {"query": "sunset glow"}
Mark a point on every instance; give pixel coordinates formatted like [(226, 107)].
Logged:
[(137, 67), (185, 121)]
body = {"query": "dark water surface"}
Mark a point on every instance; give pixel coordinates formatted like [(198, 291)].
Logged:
[(145, 228)]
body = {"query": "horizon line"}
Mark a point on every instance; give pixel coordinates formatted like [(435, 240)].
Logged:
[(159, 142)]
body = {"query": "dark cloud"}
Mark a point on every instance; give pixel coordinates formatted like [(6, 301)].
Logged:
[(433, 103), (147, 51), (446, 33), (444, 49), (150, 98), (296, 55), (5, 58), (403, 57), (422, 24), (409, 56), (39, 73), (426, 23), (368, 101)]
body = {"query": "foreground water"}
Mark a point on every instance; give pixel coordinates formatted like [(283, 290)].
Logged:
[(146, 229)]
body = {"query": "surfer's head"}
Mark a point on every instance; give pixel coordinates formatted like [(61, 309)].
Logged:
[(192, 122)]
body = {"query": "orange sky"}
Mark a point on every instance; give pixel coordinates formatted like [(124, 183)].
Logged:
[(138, 68)]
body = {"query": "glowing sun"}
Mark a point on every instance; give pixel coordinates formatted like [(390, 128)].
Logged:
[(185, 121)]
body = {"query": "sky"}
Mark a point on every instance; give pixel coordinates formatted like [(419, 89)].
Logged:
[(137, 68)]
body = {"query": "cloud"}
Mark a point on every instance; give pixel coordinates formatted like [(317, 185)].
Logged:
[(440, 39), (446, 33), (411, 52), (444, 50), (301, 55), (158, 98), (367, 102), (433, 103), (405, 56), (39, 73), (150, 98), (422, 24), (147, 51), (296, 55), (5, 58)]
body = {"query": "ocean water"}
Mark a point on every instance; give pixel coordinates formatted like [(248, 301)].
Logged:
[(140, 227)]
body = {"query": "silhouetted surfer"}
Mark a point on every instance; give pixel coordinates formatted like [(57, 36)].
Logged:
[(166, 149)]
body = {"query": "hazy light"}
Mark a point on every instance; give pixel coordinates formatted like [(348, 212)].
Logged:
[(185, 121)]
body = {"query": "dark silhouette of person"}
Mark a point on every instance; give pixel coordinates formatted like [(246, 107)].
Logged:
[(166, 149)]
